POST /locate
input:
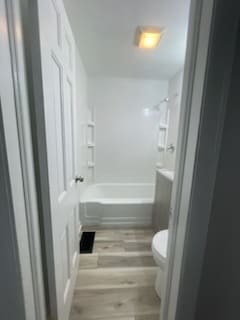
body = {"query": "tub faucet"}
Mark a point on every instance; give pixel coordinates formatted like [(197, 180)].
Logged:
[(170, 148)]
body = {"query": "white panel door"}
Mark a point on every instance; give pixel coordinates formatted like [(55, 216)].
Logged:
[(58, 69)]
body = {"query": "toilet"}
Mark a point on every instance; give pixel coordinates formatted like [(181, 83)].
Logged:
[(159, 250)]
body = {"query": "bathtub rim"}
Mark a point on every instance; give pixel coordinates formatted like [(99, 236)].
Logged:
[(118, 200)]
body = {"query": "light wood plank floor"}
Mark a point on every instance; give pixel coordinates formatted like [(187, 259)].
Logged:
[(116, 281)]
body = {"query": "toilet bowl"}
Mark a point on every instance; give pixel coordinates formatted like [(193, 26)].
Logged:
[(159, 250)]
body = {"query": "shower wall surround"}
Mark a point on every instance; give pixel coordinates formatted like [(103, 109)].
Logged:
[(126, 138), (174, 104), (164, 182)]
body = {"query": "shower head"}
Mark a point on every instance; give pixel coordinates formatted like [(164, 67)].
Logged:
[(165, 100), (147, 111)]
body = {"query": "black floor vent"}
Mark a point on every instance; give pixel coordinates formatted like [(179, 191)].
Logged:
[(87, 242)]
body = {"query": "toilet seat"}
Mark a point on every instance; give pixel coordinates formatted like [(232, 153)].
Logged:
[(159, 247)]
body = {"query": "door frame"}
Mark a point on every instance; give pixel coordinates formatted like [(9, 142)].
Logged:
[(10, 263), (206, 83), (30, 17), (28, 240)]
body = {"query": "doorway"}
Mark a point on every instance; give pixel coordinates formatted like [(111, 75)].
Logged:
[(59, 131), (118, 172)]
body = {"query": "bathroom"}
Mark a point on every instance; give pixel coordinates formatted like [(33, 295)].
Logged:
[(128, 101), (119, 122), (118, 169), (113, 72)]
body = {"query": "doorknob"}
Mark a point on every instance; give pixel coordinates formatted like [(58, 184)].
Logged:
[(79, 179)]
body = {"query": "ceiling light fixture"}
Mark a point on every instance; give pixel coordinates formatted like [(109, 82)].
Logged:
[(149, 37)]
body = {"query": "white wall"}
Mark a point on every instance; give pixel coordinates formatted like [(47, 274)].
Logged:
[(81, 118), (174, 94), (126, 139)]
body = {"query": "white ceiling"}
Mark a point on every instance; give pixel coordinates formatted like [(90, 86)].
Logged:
[(104, 31)]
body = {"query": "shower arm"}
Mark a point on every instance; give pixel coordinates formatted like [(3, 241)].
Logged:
[(157, 106)]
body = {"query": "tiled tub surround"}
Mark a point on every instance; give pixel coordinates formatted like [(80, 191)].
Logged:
[(116, 281)]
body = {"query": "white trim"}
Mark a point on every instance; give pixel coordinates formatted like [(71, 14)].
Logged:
[(194, 75), (12, 287), (34, 80), (26, 154), (201, 124)]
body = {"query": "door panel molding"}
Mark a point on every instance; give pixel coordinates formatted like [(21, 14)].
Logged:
[(50, 37)]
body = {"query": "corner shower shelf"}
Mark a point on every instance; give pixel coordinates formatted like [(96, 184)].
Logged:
[(91, 123), (91, 164), (161, 147), (163, 126), (91, 145)]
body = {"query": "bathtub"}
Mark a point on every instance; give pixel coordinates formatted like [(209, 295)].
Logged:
[(117, 204)]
